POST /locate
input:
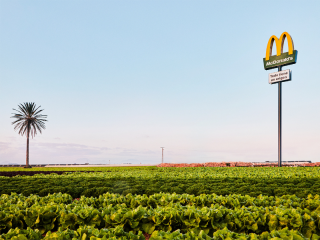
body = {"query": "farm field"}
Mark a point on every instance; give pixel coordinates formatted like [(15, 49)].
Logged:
[(72, 169), (222, 181), (162, 203), (159, 216), (14, 171)]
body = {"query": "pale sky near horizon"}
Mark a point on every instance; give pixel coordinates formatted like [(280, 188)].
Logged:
[(120, 79)]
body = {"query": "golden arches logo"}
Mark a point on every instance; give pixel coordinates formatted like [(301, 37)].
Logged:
[(279, 44), (281, 59)]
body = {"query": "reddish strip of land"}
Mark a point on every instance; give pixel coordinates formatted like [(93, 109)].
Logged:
[(237, 164)]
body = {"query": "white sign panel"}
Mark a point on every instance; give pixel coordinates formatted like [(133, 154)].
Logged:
[(281, 76)]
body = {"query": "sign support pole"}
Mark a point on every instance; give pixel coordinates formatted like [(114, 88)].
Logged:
[(279, 121)]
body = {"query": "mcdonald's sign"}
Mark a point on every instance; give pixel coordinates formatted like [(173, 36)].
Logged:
[(281, 59)]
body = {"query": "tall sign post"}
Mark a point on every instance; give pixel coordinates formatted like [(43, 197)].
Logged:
[(278, 61)]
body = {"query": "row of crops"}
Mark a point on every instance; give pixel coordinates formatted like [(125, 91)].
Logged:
[(74, 169), (196, 181), (200, 171), (163, 216), (162, 203)]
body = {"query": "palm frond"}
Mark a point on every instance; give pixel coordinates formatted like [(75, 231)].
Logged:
[(28, 119)]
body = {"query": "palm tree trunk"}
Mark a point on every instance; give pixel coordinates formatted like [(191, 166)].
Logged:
[(27, 157)]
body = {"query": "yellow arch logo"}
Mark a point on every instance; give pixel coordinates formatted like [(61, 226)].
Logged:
[(279, 44), (281, 59)]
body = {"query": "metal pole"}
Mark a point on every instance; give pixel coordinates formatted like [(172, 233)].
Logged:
[(162, 154), (279, 121)]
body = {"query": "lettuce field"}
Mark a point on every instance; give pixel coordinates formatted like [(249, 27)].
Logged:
[(162, 203), (222, 181)]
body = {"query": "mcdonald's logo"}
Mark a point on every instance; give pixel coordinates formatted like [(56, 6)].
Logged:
[(281, 59)]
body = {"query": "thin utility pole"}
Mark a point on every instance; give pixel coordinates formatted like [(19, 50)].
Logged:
[(162, 154)]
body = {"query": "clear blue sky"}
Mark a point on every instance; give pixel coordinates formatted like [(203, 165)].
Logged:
[(120, 79)]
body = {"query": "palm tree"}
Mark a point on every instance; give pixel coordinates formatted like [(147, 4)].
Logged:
[(29, 121)]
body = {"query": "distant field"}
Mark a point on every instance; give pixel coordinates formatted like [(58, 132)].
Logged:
[(71, 169), (149, 180)]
